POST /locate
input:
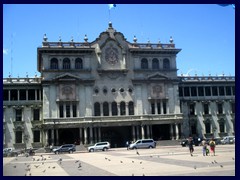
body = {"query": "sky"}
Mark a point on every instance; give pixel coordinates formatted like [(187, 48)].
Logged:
[(204, 32)]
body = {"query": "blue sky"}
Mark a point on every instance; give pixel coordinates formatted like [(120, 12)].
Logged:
[(205, 33)]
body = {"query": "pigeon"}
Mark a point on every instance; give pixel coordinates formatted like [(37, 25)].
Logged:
[(141, 162), (53, 167), (121, 162), (77, 161), (79, 165), (109, 159), (195, 167), (137, 153), (143, 174), (132, 161), (215, 161), (151, 156), (14, 166), (221, 166), (132, 174), (232, 158), (60, 159), (36, 166), (44, 170), (212, 162)]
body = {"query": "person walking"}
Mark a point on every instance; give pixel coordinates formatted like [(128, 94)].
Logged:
[(127, 145), (204, 147), (212, 145), (190, 145)]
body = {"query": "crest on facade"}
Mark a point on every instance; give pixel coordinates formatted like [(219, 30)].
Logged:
[(157, 91), (111, 55), (67, 92)]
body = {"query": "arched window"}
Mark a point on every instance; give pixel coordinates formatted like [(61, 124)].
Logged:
[(155, 63), (78, 63), (166, 64), (122, 108), (66, 63), (131, 108), (97, 109), (144, 63), (114, 109), (105, 109), (208, 126), (221, 126), (54, 63)]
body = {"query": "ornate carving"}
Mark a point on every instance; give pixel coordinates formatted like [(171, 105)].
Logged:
[(67, 92), (111, 55)]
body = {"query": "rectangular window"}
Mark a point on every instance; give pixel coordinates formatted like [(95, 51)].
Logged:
[(18, 114), (31, 94), (5, 95), (153, 108), (22, 93), (36, 114), (36, 136), (14, 95), (186, 91), (18, 136), (221, 91), (228, 91), (205, 108), (220, 108), (208, 91), (159, 107), (74, 109), (200, 91), (233, 90), (193, 91), (164, 107), (68, 114), (61, 111), (215, 91), (180, 91)]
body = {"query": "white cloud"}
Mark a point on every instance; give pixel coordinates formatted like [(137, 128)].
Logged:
[(5, 51)]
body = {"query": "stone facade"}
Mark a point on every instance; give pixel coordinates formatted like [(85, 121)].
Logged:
[(112, 90)]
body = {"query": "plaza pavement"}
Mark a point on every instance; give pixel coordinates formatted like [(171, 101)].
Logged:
[(161, 161)]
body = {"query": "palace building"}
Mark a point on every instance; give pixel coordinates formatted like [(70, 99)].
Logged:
[(113, 90)]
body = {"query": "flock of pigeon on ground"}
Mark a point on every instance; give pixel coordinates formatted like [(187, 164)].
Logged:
[(41, 160)]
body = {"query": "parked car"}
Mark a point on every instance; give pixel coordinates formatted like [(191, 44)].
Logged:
[(70, 148), (10, 152), (102, 146), (228, 140), (184, 142), (143, 143)]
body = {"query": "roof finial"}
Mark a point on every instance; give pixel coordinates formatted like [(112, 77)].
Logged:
[(45, 38), (134, 39), (171, 40), (85, 38), (110, 24)]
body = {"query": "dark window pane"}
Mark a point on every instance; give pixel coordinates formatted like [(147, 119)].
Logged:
[(36, 114), (36, 136)]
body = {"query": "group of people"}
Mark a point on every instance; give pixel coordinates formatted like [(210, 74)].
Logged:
[(204, 144)]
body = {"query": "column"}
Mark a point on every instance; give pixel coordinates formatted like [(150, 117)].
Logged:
[(118, 109), (46, 137), (137, 128), (101, 109), (91, 134), (64, 110), (142, 131), (57, 137), (110, 109), (18, 95), (80, 135), (127, 109), (52, 136), (177, 131), (171, 132), (133, 133), (9, 95), (99, 134), (35, 94), (161, 102), (85, 135), (156, 108), (147, 127), (27, 94)]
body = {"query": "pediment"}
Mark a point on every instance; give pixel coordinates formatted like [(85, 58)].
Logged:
[(67, 77), (157, 76)]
